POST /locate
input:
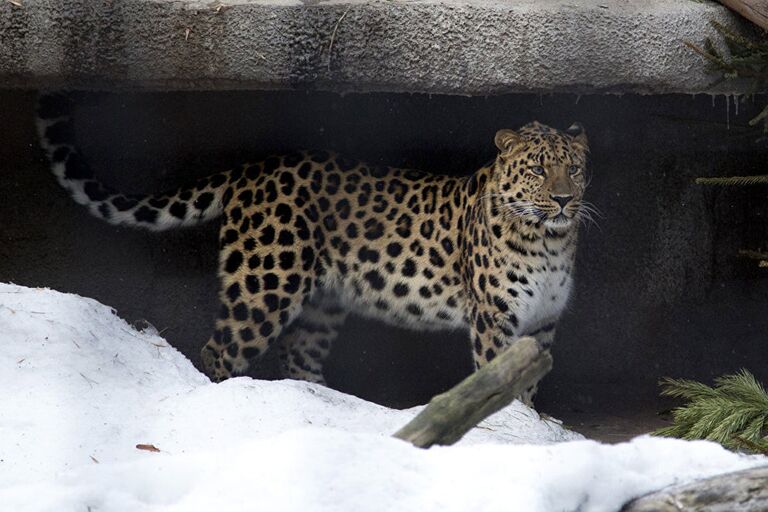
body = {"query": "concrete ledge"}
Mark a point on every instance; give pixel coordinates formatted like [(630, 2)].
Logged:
[(468, 47)]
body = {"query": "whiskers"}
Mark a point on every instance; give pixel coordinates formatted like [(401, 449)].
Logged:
[(510, 207), (520, 209), (514, 213), (587, 213), (583, 212)]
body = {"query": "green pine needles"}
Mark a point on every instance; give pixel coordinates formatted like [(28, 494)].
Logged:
[(733, 413)]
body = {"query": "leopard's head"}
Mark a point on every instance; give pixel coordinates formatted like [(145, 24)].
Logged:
[(540, 174)]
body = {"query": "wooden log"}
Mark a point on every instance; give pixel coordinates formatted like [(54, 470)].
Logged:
[(745, 491), (452, 414), (755, 11)]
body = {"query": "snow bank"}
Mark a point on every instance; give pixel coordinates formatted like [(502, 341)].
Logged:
[(81, 388)]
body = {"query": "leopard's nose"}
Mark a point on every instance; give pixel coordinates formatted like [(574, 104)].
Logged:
[(561, 200)]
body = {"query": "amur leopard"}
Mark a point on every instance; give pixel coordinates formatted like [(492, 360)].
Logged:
[(307, 237)]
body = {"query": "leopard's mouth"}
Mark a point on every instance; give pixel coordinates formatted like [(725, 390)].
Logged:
[(559, 221)]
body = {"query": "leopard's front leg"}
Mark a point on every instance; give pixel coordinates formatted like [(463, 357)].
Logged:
[(493, 332)]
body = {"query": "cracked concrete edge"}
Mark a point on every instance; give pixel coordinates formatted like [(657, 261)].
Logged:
[(469, 47)]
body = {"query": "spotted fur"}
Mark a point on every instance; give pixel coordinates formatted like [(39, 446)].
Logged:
[(308, 236)]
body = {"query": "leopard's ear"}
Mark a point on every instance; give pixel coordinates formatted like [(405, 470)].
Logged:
[(576, 131), (506, 139)]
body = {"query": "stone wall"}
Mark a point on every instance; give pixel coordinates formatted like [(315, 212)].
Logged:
[(468, 47)]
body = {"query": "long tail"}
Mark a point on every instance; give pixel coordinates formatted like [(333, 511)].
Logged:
[(183, 207)]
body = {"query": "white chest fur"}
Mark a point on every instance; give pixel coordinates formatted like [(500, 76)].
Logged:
[(549, 295)]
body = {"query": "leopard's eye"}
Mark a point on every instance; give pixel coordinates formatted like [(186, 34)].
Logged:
[(537, 170), (574, 170)]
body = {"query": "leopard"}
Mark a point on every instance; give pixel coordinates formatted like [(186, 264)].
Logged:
[(308, 237)]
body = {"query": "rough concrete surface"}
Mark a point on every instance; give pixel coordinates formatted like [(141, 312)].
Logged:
[(660, 287), (745, 491), (469, 47)]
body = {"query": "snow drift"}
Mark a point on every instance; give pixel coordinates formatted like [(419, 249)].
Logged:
[(81, 389)]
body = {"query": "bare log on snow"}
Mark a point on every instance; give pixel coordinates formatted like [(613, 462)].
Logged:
[(452, 414), (745, 491), (755, 11)]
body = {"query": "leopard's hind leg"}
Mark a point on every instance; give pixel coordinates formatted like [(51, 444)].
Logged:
[(307, 342), (266, 272), (246, 327)]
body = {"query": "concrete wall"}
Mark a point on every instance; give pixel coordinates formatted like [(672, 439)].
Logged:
[(660, 287), (471, 47)]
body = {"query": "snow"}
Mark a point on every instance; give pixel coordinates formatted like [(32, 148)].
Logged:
[(81, 388)]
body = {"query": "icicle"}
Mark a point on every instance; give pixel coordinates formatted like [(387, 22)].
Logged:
[(736, 104), (727, 112), (713, 100)]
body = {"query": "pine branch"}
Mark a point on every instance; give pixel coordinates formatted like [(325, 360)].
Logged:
[(712, 57), (748, 58), (754, 255), (686, 389), (759, 117), (755, 447), (733, 412), (744, 386), (736, 38), (734, 180)]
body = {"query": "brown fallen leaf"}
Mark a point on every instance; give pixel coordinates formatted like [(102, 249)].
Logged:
[(148, 448), (17, 3), (94, 459)]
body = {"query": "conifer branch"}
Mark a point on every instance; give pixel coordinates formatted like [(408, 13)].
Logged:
[(733, 413), (754, 255), (759, 117), (734, 180), (749, 445), (747, 58)]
